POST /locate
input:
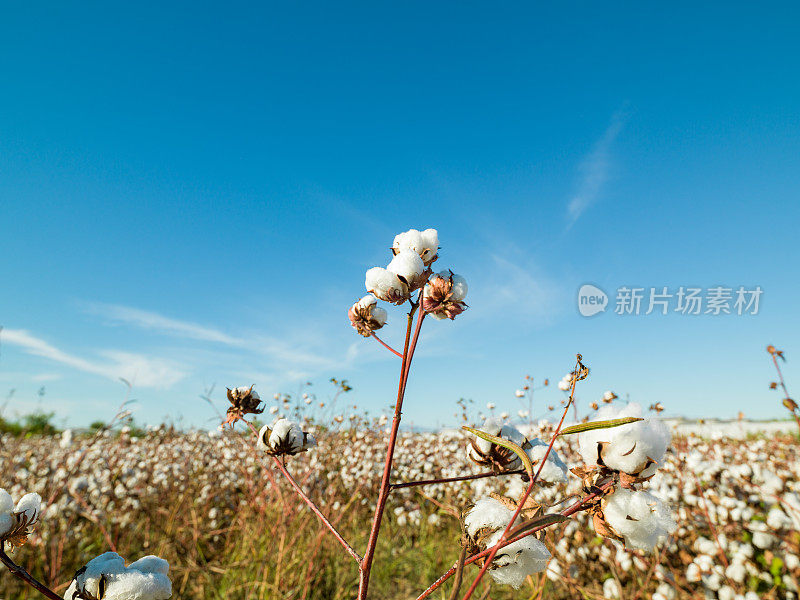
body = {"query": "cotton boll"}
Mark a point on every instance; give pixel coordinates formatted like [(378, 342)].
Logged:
[(30, 505), (488, 513), (513, 563), (145, 579), (639, 517), (777, 519), (611, 589), (6, 502), (635, 448), (554, 469), (408, 266), (460, 288), (386, 286), (424, 243), (6, 506), (736, 572)]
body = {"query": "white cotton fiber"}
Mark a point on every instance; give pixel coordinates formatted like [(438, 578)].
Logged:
[(628, 447), (640, 518)]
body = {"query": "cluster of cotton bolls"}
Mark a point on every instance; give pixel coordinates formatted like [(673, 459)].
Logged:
[(107, 578), (489, 516), (413, 253), (633, 451)]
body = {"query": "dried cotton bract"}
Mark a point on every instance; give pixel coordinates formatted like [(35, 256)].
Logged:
[(485, 453), (244, 401), (444, 295), (512, 564), (16, 522), (107, 578), (285, 437), (366, 316)]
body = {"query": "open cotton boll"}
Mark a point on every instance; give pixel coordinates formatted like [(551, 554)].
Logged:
[(287, 432), (640, 518), (408, 266), (554, 469), (284, 437), (488, 513), (106, 577), (29, 505), (513, 563), (6, 506), (492, 427), (386, 285), (777, 519), (6, 502), (366, 317), (636, 448), (424, 243)]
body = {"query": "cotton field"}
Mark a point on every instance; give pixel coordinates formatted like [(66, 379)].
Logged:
[(217, 509)]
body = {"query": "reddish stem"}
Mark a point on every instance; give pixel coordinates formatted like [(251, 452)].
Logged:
[(20, 573), (317, 511), (408, 484), (567, 512), (527, 493), (383, 494), (387, 346), (783, 386)]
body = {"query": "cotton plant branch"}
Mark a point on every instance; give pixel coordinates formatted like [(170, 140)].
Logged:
[(566, 513), (23, 575), (409, 347), (408, 484), (315, 509), (788, 402), (578, 373), (385, 345)]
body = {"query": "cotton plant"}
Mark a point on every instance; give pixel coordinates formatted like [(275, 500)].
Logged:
[(499, 530), (503, 534), (631, 453)]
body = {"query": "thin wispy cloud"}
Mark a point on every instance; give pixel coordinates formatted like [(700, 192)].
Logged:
[(289, 355), (161, 324), (594, 170), (141, 370)]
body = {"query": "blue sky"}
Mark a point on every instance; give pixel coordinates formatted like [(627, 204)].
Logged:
[(190, 195)]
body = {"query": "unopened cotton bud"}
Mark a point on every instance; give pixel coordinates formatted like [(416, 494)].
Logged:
[(386, 285)]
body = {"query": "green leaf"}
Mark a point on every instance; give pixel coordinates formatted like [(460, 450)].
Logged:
[(581, 427), (516, 449)]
